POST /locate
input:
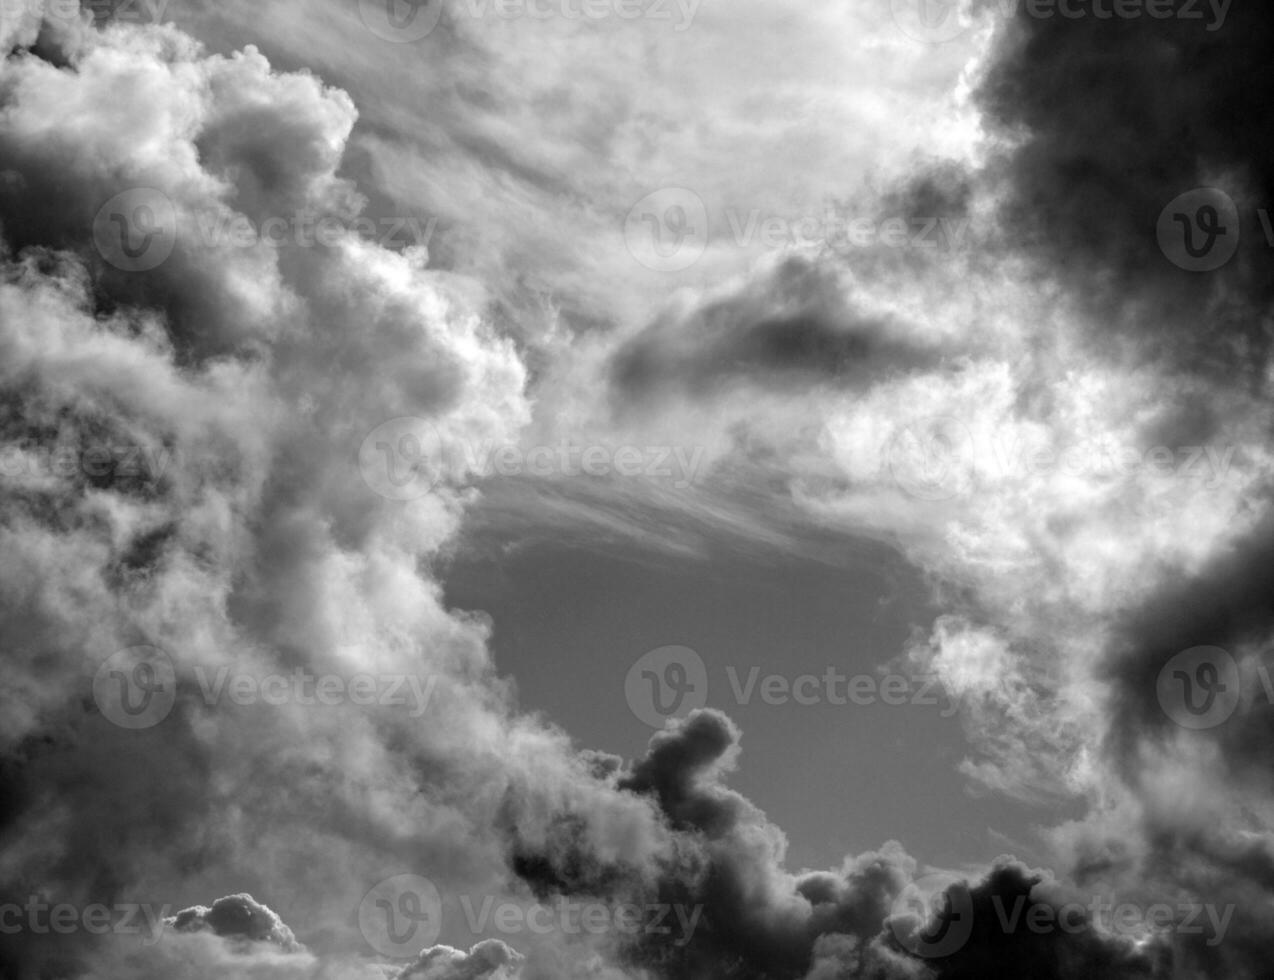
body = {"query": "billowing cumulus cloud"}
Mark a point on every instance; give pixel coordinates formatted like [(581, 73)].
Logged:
[(205, 343), (489, 960)]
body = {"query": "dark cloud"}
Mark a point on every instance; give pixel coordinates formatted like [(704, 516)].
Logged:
[(786, 330), (488, 960), (1109, 121), (758, 922), (237, 917)]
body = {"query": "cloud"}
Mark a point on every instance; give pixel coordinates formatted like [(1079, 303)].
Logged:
[(242, 378), (238, 917), (488, 960)]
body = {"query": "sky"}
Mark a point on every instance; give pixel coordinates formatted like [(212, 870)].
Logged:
[(635, 489)]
